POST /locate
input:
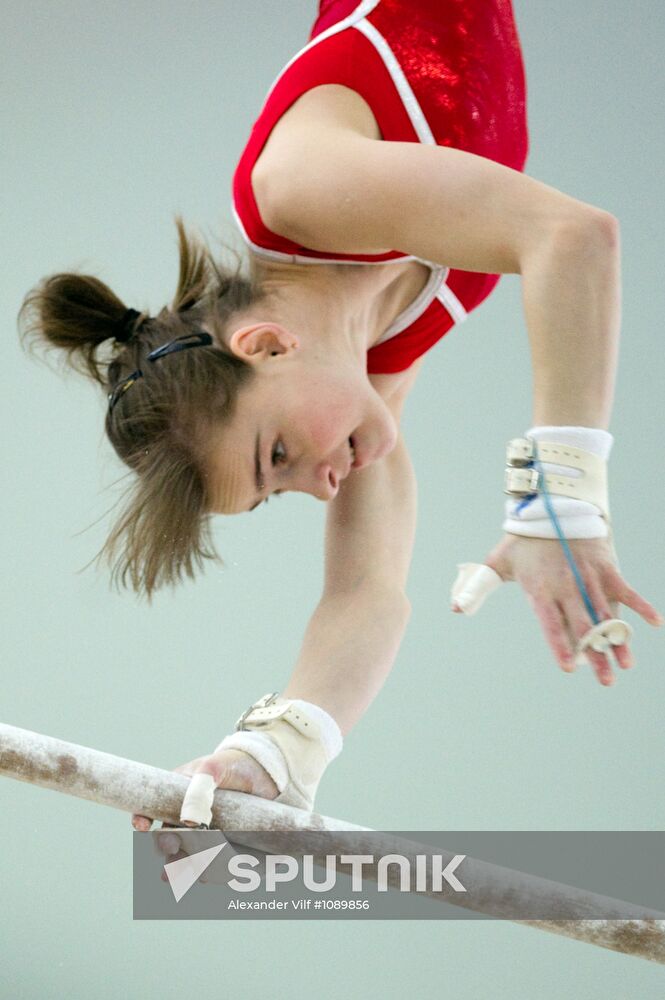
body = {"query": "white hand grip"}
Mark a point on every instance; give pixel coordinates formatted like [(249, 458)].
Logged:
[(474, 583), (611, 632)]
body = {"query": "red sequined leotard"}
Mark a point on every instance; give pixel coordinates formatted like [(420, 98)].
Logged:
[(444, 72)]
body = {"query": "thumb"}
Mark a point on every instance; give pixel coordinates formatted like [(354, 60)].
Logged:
[(474, 583), (197, 804)]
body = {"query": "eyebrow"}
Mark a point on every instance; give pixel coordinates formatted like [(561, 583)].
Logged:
[(258, 473)]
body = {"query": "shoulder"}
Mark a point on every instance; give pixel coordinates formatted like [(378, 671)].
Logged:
[(330, 108)]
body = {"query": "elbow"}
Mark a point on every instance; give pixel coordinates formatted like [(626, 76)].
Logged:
[(390, 603), (577, 232), (393, 596), (589, 230), (609, 230)]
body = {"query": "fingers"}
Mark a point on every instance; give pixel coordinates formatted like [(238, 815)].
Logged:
[(621, 591), (565, 621), (141, 823), (174, 842), (554, 627), (579, 624), (608, 609), (168, 843)]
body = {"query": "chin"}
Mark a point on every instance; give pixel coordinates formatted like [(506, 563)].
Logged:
[(388, 440), (370, 449)]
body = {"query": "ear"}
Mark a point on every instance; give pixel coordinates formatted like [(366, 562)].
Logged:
[(259, 341)]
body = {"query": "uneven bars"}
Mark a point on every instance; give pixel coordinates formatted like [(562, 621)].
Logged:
[(140, 788)]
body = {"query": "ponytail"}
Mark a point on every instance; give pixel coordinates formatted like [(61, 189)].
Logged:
[(161, 425), (74, 312)]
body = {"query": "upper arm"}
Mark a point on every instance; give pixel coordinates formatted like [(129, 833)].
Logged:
[(338, 191)]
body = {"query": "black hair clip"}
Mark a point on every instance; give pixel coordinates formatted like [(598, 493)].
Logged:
[(171, 347), (181, 344), (123, 386)]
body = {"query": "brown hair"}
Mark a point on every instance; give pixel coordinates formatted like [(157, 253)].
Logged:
[(158, 427)]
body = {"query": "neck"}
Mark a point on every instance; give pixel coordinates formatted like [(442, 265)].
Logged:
[(325, 305)]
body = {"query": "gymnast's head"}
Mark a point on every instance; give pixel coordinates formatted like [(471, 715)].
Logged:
[(216, 403)]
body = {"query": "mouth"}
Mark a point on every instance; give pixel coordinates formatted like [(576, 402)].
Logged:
[(358, 453)]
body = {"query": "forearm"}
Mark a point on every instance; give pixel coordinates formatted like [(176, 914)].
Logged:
[(371, 527), (354, 635), (349, 648), (572, 305)]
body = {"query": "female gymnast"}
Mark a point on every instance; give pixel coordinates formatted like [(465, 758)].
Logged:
[(381, 195)]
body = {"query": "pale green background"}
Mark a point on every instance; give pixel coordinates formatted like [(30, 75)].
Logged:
[(117, 116)]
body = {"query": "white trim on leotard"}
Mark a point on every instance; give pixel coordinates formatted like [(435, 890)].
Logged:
[(438, 275), (436, 286), (402, 85), (447, 298), (296, 258)]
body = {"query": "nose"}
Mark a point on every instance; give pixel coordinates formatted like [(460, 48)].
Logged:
[(326, 481), (320, 480)]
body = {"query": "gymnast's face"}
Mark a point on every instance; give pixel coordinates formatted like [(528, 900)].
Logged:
[(301, 423)]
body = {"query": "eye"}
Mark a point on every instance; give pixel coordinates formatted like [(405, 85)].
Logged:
[(278, 453)]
